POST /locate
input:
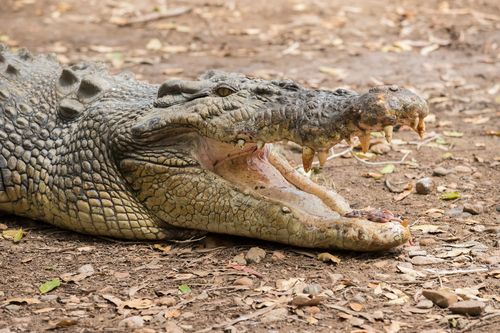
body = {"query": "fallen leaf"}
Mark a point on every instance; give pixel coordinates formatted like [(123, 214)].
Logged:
[(138, 303), (21, 300), (184, 288), (374, 175), (389, 168), (14, 234), (453, 134), (427, 228), (49, 285), (450, 195), (356, 306), (327, 257), (113, 299)]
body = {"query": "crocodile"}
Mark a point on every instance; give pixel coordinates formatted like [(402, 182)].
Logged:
[(109, 155)]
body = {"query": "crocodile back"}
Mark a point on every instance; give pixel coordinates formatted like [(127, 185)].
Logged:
[(27, 119)]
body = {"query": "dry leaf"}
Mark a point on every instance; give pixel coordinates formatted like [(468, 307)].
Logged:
[(327, 257)]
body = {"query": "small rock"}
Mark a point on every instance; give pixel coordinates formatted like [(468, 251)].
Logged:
[(455, 211), (166, 300), (472, 308), (380, 148), (240, 259), (441, 172), (474, 208), (278, 255), (424, 186), (426, 241), (441, 297), (312, 289), (275, 315), (425, 260), (255, 255), (243, 281), (479, 228), (462, 169), (424, 304), (415, 253), (132, 322)]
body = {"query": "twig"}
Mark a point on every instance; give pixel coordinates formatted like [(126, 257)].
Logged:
[(332, 156), (481, 322), (401, 161), (122, 22), (458, 271), (239, 319)]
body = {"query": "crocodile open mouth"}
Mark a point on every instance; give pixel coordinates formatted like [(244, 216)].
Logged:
[(265, 173)]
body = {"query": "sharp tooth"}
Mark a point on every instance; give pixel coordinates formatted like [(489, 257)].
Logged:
[(415, 124), (421, 127), (388, 133), (364, 139), (307, 158), (260, 144), (240, 143), (323, 156)]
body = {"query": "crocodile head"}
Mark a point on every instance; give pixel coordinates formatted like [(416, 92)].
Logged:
[(202, 158)]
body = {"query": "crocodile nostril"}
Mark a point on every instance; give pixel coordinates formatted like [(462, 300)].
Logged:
[(394, 88)]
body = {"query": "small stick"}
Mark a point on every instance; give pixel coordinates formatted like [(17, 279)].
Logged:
[(239, 319), (401, 161), (458, 271), (122, 22)]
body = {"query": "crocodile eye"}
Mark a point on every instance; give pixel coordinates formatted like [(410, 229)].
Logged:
[(224, 91)]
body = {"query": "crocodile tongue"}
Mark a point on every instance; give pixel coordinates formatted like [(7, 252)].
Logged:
[(266, 173)]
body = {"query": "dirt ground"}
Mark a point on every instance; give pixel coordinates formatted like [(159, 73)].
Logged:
[(449, 52)]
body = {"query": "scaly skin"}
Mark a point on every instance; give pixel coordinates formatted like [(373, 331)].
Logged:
[(112, 156)]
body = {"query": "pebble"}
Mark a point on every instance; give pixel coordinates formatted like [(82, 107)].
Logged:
[(441, 172), (424, 185), (380, 148), (455, 211), (312, 289), (132, 322), (425, 304), (240, 259), (441, 297), (471, 307), (244, 281), (475, 208), (255, 255)]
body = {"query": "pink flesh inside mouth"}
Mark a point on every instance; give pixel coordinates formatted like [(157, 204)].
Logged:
[(267, 174)]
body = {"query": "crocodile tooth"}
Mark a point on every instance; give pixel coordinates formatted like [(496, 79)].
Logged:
[(322, 156), (364, 139), (415, 124), (240, 143), (388, 133), (307, 158), (421, 127), (260, 144)]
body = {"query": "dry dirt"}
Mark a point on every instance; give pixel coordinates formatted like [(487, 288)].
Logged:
[(446, 51)]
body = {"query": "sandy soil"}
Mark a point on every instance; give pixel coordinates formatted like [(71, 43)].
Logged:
[(446, 51)]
